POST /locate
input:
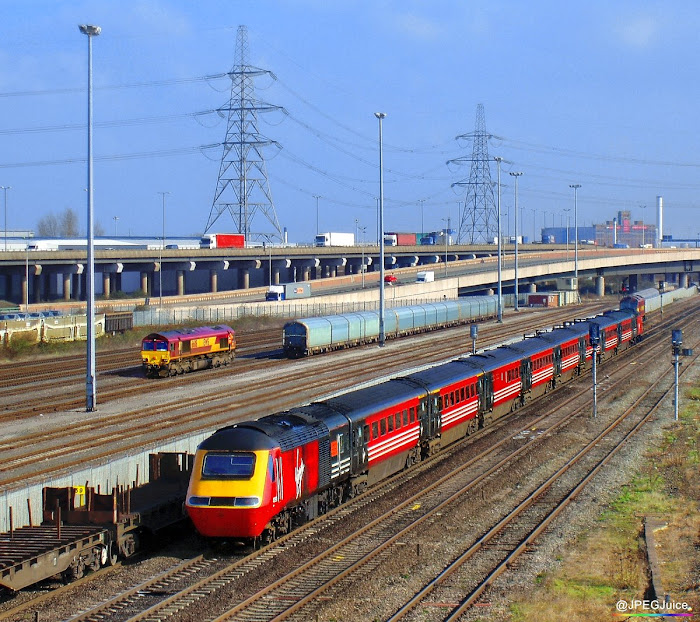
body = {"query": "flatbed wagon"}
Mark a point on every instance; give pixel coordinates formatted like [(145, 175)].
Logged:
[(83, 529)]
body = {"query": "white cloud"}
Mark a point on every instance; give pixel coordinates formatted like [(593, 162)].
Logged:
[(640, 32), (418, 27)]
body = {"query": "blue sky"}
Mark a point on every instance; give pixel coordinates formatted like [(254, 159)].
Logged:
[(604, 94)]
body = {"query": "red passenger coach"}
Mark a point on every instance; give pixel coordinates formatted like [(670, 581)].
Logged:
[(259, 479)]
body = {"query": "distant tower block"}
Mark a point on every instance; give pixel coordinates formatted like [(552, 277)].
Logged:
[(479, 224), (242, 188)]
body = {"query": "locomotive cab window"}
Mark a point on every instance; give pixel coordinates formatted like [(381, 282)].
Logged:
[(238, 465)]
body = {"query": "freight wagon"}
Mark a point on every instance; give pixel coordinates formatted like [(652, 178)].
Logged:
[(333, 332), (84, 530)]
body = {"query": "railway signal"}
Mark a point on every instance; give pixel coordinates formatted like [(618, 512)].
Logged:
[(676, 343), (594, 338)]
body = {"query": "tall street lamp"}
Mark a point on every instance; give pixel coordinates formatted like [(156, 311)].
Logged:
[(115, 218), (380, 116), (90, 389), (516, 175), (498, 226), (447, 239), (575, 187), (162, 247), (5, 188), (317, 197), (422, 226)]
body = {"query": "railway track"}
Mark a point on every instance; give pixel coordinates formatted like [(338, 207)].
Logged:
[(61, 448), (301, 593)]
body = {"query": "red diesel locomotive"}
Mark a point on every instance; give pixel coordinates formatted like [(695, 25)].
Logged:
[(178, 351), (259, 479)]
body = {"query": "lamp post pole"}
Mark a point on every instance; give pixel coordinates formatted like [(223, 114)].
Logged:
[(115, 218), (317, 197), (162, 247), (380, 116), (567, 210), (447, 239), (500, 259), (515, 303), (575, 187), (422, 226), (90, 388), (6, 188), (26, 277)]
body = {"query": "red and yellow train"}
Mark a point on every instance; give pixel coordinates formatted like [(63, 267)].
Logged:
[(258, 479), (179, 351)]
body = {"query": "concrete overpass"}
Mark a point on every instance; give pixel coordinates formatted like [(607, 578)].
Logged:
[(41, 276)]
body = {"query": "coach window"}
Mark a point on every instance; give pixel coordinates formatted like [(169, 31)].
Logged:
[(375, 430), (398, 420), (413, 414), (382, 424), (405, 417), (391, 423)]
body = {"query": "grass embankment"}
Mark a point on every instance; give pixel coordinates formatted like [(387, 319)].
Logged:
[(22, 348), (608, 563)]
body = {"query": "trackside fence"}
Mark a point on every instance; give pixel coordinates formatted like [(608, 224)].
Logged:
[(220, 314)]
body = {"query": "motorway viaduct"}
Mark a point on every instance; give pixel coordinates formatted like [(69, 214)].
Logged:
[(39, 276)]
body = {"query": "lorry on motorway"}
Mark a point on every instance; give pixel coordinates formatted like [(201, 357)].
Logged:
[(400, 239), (288, 291), (335, 239), (222, 240), (425, 277)]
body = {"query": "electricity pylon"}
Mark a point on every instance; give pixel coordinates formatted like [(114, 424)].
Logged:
[(242, 188), (479, 218)]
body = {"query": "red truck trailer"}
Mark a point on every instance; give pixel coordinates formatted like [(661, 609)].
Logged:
[(222, 240)]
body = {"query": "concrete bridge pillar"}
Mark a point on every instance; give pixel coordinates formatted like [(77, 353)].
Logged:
[(106, 284), (180, 282), (633, 282), (275, 275), (532, 288), (24, 286), (213, 281), (683, 279), (600, 286), (66, 285), (243, 278)]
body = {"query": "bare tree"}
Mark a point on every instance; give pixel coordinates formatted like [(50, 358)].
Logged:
[(69, 223), (47, 227), (64, 225)]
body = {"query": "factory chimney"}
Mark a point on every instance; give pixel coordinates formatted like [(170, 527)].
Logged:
[(659, 220)]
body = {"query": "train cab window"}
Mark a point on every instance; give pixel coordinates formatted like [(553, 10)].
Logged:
[(271, 468), (375, 430), (398, 421), (237, 465), (148, 346), (405, 417), (390, 421), (161, 346), (382, 424)]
